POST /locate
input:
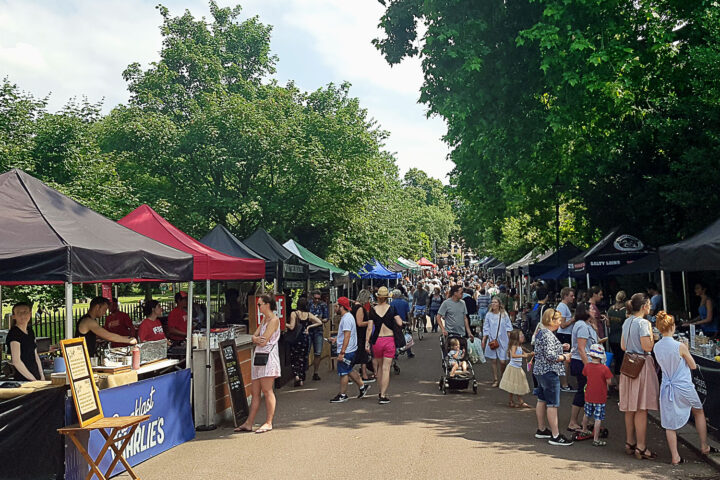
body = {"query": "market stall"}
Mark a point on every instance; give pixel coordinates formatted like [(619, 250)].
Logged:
[(281, 264), (210, 264), (50, 239), (699, 253)]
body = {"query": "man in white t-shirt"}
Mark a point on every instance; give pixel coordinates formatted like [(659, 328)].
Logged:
[(564, 333), (346, 348)]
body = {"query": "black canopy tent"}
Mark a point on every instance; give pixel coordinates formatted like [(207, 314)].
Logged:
[(223, 241), (701, 252), (48, 238), (610, 253), (551, 259), (281, 263), (499, 270), (647, 264)]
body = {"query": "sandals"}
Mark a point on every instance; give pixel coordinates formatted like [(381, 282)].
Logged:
[(630, 448), (711, 449), (495, 384), (645, 454), (599, 443), (682, 460), (512, 405), (524, 405), (263, 429), (580, 436), (243, 429)]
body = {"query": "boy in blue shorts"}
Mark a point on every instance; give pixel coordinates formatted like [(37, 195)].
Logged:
[(598, 378)]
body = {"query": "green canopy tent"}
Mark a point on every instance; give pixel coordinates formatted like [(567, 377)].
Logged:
[(313, 259)]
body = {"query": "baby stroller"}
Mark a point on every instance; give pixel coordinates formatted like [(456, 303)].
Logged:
[(409, 342), (461, 380)]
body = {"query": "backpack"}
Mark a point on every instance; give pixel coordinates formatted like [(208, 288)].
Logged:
[(535, 316)]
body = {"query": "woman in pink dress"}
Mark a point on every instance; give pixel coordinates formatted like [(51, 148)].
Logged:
[(263, 377)]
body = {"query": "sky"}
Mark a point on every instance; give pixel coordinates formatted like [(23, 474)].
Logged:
[(74, 48)]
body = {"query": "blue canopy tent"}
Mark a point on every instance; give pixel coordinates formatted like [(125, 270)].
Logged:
[(375, 270)]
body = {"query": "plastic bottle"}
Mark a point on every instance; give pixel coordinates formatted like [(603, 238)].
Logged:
[(136, 358)]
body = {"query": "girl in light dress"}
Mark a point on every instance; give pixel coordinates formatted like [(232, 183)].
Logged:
[(514, 380)]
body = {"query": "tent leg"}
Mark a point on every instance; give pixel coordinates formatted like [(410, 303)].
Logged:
[(570, 282), (662, 283), (587, 277), (209, 380), (188, 339), (68, 310), (685, 294)]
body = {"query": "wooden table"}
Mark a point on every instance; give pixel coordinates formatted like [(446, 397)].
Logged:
[(115, 425)]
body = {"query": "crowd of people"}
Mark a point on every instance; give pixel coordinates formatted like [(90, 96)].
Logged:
[(559, 340)]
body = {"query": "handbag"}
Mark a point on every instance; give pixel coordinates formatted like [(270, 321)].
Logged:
[(260, 359), (495, 344), (632, 363)]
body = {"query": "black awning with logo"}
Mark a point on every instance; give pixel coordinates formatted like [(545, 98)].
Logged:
[(615, 250)]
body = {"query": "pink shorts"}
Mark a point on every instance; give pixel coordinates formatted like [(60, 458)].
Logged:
[(384, 347)]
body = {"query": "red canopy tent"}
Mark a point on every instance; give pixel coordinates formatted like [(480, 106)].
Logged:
[(424, 262), (209, 264)]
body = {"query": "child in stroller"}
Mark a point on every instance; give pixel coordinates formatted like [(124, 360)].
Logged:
[(455, 357), (455, 377)]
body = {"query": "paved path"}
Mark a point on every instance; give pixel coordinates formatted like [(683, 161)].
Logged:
[(421, 434)]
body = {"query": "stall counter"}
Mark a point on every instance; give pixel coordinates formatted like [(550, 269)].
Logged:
[(707, 383), (220, 394)]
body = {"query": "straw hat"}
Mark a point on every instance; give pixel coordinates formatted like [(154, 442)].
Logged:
[(383, 293)]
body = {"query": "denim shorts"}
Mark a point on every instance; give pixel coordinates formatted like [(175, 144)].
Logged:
[(316, 341), (548, 389), (342, 367), (595, 410)]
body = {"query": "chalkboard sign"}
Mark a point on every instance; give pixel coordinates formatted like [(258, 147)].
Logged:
[(236, 385), (82, 383)]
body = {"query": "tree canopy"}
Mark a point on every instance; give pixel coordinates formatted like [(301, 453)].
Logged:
[(608, 108), (209, 137)]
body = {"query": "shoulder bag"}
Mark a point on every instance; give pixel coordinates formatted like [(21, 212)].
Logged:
[(260, 359), (495, 344), (633, 363)]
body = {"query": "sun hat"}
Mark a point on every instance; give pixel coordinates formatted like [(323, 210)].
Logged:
[(383, 292), (597, 351)]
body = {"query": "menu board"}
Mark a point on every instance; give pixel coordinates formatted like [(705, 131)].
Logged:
[(236, 384), (82, 385)]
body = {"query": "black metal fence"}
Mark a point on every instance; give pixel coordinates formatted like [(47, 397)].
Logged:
[(52, 323)]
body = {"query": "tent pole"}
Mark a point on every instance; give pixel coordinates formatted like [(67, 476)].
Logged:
[(1, 315), (68, 310), (569, 281), (685, 296), (587, 277), (209, 380), (188, 339), (662, 283)]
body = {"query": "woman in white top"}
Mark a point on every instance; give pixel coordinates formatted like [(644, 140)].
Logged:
[(497, 326)]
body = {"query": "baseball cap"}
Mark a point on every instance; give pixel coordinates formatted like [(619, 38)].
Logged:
[(345, 302), (597, 351)]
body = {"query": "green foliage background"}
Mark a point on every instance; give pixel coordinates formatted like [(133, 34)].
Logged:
[(619, 101), (208, 137)]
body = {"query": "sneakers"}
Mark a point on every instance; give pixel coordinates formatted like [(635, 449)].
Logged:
[(543, 433), (369, 380), (340, 398), (316, 377), (568, 389), (363, 391), (411, 355), (560, 441), (383, 400)]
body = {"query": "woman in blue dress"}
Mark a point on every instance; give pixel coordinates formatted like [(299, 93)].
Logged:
[(678, 396)]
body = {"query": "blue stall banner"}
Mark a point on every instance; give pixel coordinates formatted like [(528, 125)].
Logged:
[(165, 398)]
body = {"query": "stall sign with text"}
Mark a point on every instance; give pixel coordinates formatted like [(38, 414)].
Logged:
[(236, 384), (279, 311)]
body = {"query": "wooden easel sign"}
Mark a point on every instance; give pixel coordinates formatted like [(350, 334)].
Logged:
[(82, 384)]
